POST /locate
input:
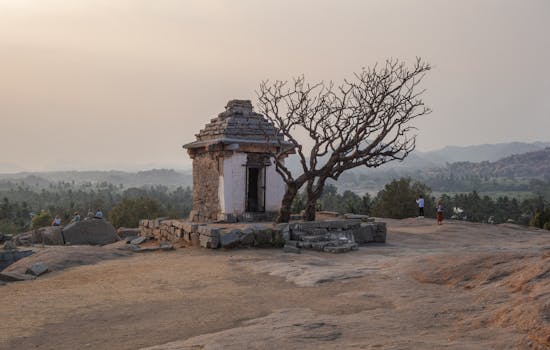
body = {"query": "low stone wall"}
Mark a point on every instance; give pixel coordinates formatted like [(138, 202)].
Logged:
[(213, 237), (330, 236)]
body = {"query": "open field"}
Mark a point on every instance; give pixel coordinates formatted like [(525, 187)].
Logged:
[(456, 286)]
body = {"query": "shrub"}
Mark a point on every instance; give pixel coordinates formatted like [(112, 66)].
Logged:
[(42, 220)]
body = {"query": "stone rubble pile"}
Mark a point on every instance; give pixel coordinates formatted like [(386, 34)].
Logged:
[(333, 236)]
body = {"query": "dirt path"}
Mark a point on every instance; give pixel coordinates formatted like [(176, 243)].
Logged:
[(457, 286)]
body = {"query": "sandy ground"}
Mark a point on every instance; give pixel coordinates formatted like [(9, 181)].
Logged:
[(456, 286)]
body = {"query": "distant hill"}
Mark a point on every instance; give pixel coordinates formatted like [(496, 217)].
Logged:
[(154, 177), (475, 153), (440, 170), (527, 165), (480, 153)]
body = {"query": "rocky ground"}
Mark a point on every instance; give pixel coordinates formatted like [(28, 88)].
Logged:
[(455, 286)]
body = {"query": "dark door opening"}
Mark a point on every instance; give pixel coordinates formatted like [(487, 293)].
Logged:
[(255, 189)]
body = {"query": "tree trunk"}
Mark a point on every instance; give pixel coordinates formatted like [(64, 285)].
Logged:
[(314, 193), (309, 214), (286, 205)]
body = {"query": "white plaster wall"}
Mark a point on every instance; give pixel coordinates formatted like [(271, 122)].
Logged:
[(275, 189), (232, 189)]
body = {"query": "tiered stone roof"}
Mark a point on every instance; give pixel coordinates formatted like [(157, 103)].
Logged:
[(237, 124)]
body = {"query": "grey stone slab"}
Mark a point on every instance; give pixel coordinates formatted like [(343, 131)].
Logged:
[(37, 269), (15, 277), (337, 249), (166, 245), (297, 235), (247, 239), (147, 249), (357, 216), (138, 240), (292, 243), (230, 240), (364, 234), (318, 245)]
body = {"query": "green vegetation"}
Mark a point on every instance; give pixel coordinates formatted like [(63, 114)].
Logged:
[(541, 219), (21, 200), (42, 220), (398, 199), (331, 200), (128, 212)]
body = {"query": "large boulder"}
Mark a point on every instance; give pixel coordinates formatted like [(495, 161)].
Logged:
[(94, 232), (50, 235)]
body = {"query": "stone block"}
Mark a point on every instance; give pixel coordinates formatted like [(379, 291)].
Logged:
[(340, 248), (380, 226), (318, 245), (292, 243), (230, 240), (195, 239), (364, 218), (297, 235), (364, 233), (166, 245), (189, 227), (317, 238), (138, 241), (285, 231), (211, 242), (379, 237), (246, 238), (291, 249), (37, 269)]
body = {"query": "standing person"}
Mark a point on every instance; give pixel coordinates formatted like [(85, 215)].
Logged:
[(439, 213), (99, 214), (420, 202), (56, 221)]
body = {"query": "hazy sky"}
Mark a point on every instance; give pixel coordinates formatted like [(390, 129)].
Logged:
[(113, 84)]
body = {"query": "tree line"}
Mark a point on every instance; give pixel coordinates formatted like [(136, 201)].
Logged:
[(125, 207), (398, 200)]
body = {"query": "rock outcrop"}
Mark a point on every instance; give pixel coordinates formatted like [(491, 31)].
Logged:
[(93, 232)]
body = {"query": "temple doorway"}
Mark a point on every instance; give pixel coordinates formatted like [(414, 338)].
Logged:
[(255, 189)]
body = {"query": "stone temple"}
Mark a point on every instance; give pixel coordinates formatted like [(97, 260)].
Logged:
[(234, 178)]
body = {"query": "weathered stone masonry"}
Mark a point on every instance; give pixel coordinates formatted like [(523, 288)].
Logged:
[(205, 186)]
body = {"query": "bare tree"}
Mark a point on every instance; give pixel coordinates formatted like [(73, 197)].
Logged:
[(364, 121)]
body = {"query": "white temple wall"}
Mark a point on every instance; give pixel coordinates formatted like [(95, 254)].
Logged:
[(232, 184), (275, 189)]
